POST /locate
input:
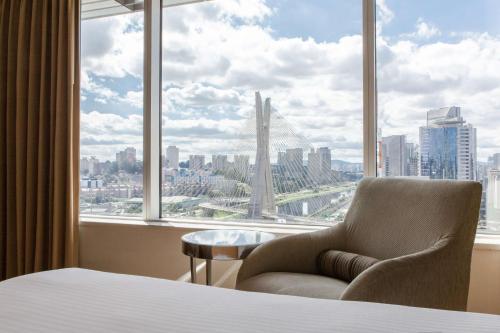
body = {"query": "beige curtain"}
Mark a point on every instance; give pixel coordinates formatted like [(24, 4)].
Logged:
[(39, 135)]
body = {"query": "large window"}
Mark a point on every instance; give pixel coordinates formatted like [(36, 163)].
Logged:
[(262, 110), (111, 167), (438, 93), (273, 110)]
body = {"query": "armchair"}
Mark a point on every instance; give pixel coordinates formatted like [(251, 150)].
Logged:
[(421, 231)]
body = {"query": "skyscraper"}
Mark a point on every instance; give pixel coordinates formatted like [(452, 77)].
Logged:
[(493, 201), (219, 162), (448, 146), (242, 164), (319, 164), (325, 157), (412, 159), (294, 162), (314, 166), (196, 162), (496, 161), (394, 155), (172, 157), (126, 157)]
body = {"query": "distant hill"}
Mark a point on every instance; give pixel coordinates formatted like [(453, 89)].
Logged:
[(339, 165)]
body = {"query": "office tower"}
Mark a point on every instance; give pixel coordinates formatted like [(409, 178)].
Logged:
[(84, 165), (325, 156), (172, 160), (126, 157), (242, 164), (196, 162), (394, 155), (448, 146), (319, 164), (496, 161), (467, 152), (294, 162), (412, 159), (93, 166), (219, 162), (493, 197), (314, 166)]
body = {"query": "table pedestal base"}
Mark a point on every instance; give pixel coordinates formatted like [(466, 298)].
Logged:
[(208, 269)]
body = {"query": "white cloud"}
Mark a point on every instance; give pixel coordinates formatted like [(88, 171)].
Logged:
[(133, 98), (103, 135), (113, 46), (423, 30), (216, 54), (384, 14), (414, 78)]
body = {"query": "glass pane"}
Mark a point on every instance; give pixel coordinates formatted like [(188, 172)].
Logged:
[(438, 93), (262, 110), (111, 115)]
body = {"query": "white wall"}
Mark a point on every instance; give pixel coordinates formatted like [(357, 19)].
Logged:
[(156, 251)]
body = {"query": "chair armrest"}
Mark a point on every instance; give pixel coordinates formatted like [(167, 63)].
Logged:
[(429, 278), (295, 253)]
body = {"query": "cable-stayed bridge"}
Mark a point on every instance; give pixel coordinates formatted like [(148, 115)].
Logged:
[(269, 177)]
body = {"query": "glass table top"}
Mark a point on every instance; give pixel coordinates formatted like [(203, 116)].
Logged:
[(222, 238)]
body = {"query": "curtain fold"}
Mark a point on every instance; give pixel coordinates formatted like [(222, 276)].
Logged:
[(39, 135)]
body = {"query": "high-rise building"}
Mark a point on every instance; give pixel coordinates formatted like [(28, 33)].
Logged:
[(495, 159), (394, 155), (325, 156), (319, 164), (126, 157), (294, 162), (493, 196), (448, 146), (84, 165), (242, 164), (93, 166), (196, 162), (314, 166), (172, 160), (219, 162), (412, 159)]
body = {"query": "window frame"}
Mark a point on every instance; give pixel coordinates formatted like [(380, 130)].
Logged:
[(152, 120), (152, 101)]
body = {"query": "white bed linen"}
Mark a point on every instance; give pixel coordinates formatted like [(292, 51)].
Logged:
[(77, 300)]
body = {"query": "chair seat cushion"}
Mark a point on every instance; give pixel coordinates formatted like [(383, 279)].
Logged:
[(343, 265), (306, 285)]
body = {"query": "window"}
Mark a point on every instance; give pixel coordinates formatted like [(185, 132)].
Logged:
[(438, 90), (261, 110), (272, 110), (111, 167)]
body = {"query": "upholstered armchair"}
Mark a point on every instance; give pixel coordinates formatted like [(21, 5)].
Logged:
[(420, 231)]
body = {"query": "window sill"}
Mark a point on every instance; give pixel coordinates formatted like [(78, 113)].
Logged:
[(197, 224), (483, 242)]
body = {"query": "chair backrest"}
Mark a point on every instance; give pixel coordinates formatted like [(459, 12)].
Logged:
[(391, 217)]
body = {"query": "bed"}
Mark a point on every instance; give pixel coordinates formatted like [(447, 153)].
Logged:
[(78, 300)]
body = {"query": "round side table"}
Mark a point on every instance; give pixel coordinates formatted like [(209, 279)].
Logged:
[(220, 245)]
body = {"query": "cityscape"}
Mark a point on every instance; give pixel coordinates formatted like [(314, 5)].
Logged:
[(276, 183), (289, 184), (447, 149)]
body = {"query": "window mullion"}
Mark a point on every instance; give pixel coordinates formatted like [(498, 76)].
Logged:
[(152, 112), (369, 89)]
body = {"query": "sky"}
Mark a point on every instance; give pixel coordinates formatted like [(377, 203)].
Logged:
[(307, 57)]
